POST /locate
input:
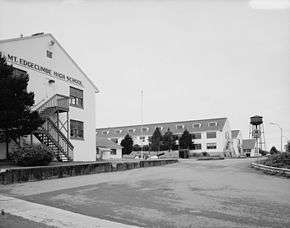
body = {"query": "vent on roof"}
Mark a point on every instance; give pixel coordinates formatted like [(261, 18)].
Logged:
[(37, 34)]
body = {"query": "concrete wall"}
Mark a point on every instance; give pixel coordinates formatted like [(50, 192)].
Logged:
[(18, 175), (34, 50)]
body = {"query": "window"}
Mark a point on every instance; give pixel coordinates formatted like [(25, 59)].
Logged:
[(76, 129), (179, 127), (49, 54), (144, 129), (212, 124), (115, 140), (131, 130), (211, 146), (196, 136), (211, 135), (76, 97), (18, 73), (118, 131), (160, 128), (196, 125), (247, 150), (142, 138), (105, 132), (197, 146), (113, 151)]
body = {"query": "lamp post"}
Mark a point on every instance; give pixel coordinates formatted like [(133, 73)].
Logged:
[(281, 133)]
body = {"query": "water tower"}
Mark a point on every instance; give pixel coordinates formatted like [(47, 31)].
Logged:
[(257, 132)]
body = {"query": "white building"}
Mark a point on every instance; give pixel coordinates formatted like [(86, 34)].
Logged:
[(64, 95), (106, 149), (209, 135), (249, 147)]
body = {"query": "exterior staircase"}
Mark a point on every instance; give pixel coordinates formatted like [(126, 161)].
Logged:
[(50, 133)]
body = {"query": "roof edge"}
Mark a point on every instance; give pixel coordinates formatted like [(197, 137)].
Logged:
[(49, 34)]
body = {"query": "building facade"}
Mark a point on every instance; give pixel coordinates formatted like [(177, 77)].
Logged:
[(209, 135), (249, 146), (63, 94), (107, 150)]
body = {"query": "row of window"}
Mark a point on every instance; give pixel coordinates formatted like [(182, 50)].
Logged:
[(146, 129), (209, 146)]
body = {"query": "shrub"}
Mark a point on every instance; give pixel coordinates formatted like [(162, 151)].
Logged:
[(32, 156), (279, 160), (205, 154)]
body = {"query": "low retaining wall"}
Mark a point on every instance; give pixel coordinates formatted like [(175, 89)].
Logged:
[(271, 170), (24, 174)]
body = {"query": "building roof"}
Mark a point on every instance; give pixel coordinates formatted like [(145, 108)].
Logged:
[(249, 143), (235, 133), (39, 35), (106, 143), (150, 128)]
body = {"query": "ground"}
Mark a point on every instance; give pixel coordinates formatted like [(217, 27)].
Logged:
[(222, 193)]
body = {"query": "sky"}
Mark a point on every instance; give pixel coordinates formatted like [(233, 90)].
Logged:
[(192, 59)]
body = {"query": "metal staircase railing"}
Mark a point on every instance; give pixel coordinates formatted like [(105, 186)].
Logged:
[(50, 129), (57, 100), (59, 139)]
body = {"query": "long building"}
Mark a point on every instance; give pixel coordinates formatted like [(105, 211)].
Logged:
[(209, 135), (64, 96)]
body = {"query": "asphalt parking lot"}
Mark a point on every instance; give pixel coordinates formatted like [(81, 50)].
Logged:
[(223, 193)]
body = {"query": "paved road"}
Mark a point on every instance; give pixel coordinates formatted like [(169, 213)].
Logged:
[(224, 193)]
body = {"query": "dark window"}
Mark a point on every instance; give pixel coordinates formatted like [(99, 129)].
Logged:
[(76, 129), (131, 130), (197, 146), (18, 73), (115, 140), (211, 146), (196, 125), (49, 54), (211, 135), (144, 129), (76, 97), (179, 127), (212, 124), (113, 151), (196, 136)]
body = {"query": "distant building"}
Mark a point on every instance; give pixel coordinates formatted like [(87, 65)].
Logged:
[(106, 149), (237, 142), (209, 135), (249, 147)]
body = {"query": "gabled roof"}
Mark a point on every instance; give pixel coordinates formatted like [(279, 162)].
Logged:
[(36, 36), (235, 133), (106, 143), (249, 144), (204, 126)]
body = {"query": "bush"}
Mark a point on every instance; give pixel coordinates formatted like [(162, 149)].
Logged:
[(205, 154), (279, 160), (32, 156)]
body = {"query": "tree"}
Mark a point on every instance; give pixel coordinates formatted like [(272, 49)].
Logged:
[(16, 117), (168, 140), (288, 147), (185, 141), (156, 140), (274, 150), (127, 144)]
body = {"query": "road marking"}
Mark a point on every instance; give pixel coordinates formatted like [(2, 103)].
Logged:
[(52, 216)]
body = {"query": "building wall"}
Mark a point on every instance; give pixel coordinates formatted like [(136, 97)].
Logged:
[(222, 137), (34, 50), (237, 145), (105, 154)]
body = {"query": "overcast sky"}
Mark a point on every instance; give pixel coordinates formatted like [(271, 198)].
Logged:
[(193, 59)]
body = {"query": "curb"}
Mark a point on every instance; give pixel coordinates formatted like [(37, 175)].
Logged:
[(271, 170)]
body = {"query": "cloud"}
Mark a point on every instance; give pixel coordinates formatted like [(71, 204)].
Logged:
[(269, 4)]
